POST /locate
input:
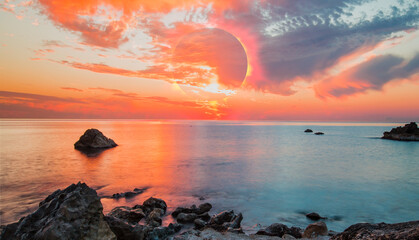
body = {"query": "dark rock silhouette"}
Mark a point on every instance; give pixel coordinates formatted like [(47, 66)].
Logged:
[(308, 130), (94, 139), (406, 230), (314, 216), (129, 194), (72, 213), (410, 132), (319, 133)]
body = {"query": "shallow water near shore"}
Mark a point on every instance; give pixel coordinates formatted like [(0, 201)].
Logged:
[(269, 171)]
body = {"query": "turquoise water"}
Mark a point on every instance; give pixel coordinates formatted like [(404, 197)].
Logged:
[(269, 171)]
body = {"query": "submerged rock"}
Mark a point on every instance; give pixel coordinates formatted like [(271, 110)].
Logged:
[(129, 194), (308, 130), (314, 216), (406, 230), (94, 139), (410, 132), (315, 229), (72, 213)]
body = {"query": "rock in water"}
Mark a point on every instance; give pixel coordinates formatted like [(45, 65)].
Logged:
[(72, 213), (308, 130), (314, 216), (94, 139), (319, 133), (406, 230), (410, 132)]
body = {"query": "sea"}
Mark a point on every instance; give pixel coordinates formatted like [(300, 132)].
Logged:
[(271, 172)]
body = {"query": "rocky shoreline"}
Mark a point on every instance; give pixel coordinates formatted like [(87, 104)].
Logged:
[(77, 213)]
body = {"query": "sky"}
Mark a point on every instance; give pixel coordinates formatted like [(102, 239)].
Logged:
[(306, 60)]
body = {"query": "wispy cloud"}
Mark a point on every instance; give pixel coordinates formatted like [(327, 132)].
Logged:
[(369, 75)]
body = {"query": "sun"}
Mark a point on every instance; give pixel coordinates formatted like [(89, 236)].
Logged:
[(214, 60)]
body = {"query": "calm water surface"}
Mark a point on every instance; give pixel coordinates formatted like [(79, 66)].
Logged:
[(269, 171)]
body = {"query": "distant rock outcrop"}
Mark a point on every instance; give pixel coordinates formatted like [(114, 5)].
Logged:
[(319, 133), (410, 132), (308, 130), (94, 139), (406, 230), (314, 216), (72, 213)]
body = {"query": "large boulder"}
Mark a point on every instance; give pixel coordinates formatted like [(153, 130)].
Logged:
[(94, 139), (410, 132), (383, 231), (72, 213)]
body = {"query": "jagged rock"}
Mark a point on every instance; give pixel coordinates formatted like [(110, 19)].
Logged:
[(315, 229), (225, 216), (203, 208), (383, 231), (153, 203), (72, 213), (308, 130), (319, 133), (94, 139), (128, 214), (226, 221), (314, 216), (410, 132), (235, 222), (278, 229)]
